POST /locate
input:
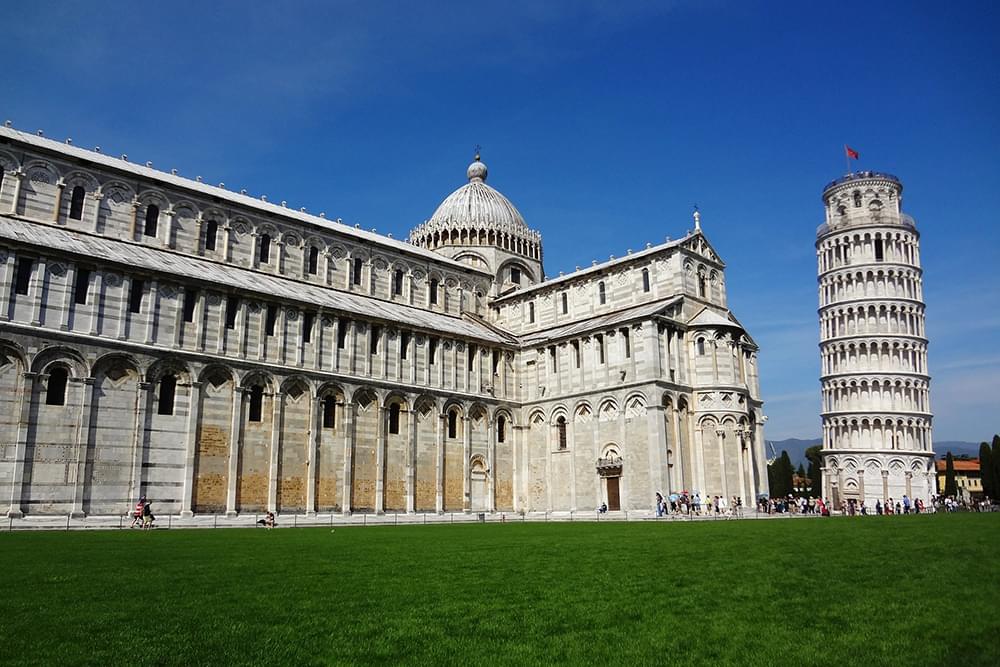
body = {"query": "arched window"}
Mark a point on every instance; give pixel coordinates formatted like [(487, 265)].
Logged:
[(397, 282), (701, 347), (565, 303), (168, 389), (701, 285), (211, 232), (531, 313), (453, 423), (313, 265), (265, 249), (515, 275), (329, 411), (645, 280), (55, 392), (394, 419), (602, 295), (76, 203), (857, 199), (256, 403), (501, 429), (357, 266), (561, 432), (152, 218), (433, 291)]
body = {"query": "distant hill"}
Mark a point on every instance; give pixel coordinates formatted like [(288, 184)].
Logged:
[(796, 449)]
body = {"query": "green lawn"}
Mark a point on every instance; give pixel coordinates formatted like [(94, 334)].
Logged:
[(917, 590)]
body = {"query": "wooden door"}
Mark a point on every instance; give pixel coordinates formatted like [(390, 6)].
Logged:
[(614, 503)]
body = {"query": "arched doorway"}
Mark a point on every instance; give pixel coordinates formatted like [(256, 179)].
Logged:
[(609, 469), (480, 484)]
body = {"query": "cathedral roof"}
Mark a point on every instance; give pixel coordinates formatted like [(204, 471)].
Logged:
[(710, 318), (219, 192), (605, 321), (216, 274)]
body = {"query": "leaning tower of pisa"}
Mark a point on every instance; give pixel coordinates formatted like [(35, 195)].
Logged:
[(873, 346)]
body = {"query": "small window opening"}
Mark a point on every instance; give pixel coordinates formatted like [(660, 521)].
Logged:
[(600, 348), (232, 307), (561, 432), (23, 280), (565, 303), (701, 347), (601, 293), (168, 389), (432, 346), (531, 313), (271, 317), (308, 318), (135, 295), (211, 231), (627, 341), (701, 286), (82, 286), (515, 275), (55, 392), (501, 428), (76, 203), (265, 249), (857, 199), (256, 403), (433, 291), (472, 357), (496, 362), (453, 424), (397, 282), (553, 357), (342, 334), (313, 264), (190, 299), (152, 218), (404, 345), (329, 412), (373, 340), (645, 280), (357, 265), (576, 352), (879, 250), (394, 419)]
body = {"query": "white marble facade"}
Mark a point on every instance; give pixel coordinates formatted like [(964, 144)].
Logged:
[(876, 413), (224, 354)]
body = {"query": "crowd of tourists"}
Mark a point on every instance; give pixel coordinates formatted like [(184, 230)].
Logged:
[(950, 504), (692, 504)]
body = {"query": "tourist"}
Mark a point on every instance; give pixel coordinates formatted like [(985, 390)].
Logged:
[(899, 507), (137, 513), (659, 505), (906, 504), (603, 508), (147, 515)]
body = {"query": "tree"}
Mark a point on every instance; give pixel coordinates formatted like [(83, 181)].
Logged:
[(785, 472), (950, 486), (996, 464), (815, 469), (986, 470)]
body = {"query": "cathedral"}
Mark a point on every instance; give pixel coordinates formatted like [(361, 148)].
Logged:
[(225, 354)]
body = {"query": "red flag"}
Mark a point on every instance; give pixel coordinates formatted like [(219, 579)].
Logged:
[(851, 153)]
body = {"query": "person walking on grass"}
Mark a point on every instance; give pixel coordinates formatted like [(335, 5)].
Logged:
[(137, 513), (147, 515)]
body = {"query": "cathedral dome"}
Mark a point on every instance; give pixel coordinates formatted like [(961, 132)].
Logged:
[(476, 204), (477, 214)]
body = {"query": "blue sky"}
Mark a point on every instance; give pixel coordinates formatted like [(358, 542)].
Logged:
[(603, 122)]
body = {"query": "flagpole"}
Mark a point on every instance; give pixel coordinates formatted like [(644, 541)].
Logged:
[(847, 161)]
